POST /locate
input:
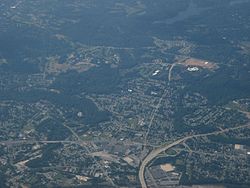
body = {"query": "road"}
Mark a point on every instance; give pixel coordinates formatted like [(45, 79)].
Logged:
[(170, 72), (105, 173), (154, 153), (155, 110), (13, 142)]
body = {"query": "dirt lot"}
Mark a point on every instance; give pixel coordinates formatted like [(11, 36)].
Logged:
[(167, 167), (198, 63)]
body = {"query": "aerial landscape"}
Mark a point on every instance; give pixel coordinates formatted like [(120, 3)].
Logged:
[(135, 93)]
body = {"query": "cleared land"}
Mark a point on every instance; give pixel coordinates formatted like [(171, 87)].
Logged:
[(167, 167), (198, 63)]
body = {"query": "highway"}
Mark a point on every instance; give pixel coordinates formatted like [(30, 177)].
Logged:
[(13, 142), (154, 153)]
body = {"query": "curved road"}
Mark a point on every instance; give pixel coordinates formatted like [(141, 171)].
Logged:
[(154, 153)]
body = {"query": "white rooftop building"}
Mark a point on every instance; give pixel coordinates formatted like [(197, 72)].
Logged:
[(192, 69)]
